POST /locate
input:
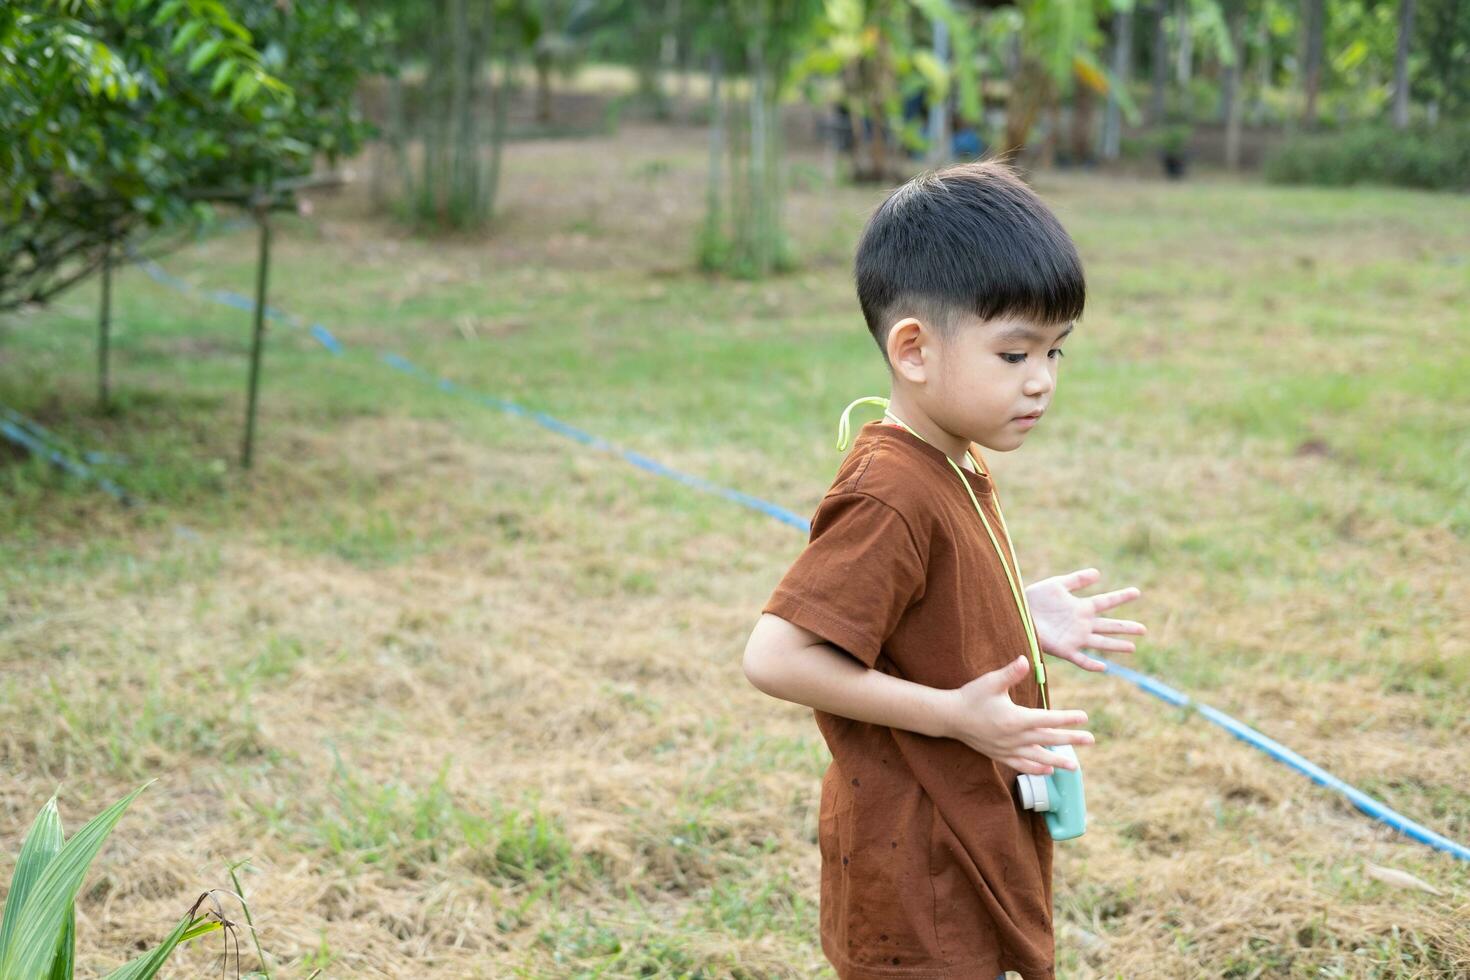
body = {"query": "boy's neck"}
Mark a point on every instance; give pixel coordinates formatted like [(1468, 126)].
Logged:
[(951, 445)]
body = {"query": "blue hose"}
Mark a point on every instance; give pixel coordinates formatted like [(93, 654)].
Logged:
[(20, 430), (1285, 755)]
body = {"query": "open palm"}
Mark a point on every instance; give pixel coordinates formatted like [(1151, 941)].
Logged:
[(1066, 624)]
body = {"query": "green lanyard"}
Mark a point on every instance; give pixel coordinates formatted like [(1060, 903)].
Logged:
[(844, 436)]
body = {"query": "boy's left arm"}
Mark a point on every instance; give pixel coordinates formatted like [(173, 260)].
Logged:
[(1066, 624)]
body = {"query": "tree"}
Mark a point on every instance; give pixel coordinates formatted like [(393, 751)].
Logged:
[(743, 233), (125, 133), (108, 119), (1057, 43), (471, 48), (876, 51), (560, 30), (150, 112), (1442, 30)]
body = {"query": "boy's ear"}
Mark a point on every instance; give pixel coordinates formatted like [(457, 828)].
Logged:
[(908, 349)]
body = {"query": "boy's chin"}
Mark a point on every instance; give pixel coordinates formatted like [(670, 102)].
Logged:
[(1003, 442)]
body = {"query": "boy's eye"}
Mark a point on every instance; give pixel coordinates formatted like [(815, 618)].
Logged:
[(1057, 351), (1013, 358)]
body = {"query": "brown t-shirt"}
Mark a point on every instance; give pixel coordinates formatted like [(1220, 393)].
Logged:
[(930, 868)]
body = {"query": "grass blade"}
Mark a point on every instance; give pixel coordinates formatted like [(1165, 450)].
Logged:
[(147, 966)]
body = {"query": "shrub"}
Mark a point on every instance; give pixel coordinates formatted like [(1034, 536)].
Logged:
[(1437, 159)]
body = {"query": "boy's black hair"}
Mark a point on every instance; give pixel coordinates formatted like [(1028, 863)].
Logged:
[(971, 238)]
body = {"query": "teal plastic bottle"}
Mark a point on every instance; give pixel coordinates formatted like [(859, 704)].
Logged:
[(1059, 796)]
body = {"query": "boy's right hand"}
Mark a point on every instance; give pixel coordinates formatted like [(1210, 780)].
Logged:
[(983, 716)]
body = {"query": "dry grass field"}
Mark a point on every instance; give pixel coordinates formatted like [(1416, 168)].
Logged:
[(467, 696)]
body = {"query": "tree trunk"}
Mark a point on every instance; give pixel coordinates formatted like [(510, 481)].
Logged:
[(711, 244), (1053, 134), (1030, 92), (398, 137), (852, 97), (1185, 64), (1160, 66), (461, 207), (499, 109), (738, 179), (1122, 72), (939, 134), (104, 331), (668, 51), (1234, 17), (543, 87), (758, 237), (1083, 102), (257, 341), (775, 186), (1401, 65), (1257, 112), (878, 92), (1313, 17)]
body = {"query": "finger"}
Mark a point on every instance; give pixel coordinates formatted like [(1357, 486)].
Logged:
[(1108, 643), (1036, 753), (1041, 718), (1108, 600), (1010, 675), (1080, 579), (1056, 736), (1027, 766), (1102, 625), (1081, 660)]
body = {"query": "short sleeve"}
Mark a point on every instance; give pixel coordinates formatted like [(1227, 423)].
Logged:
[(860, 571)]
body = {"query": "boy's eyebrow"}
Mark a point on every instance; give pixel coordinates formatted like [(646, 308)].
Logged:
[(1028, 334)]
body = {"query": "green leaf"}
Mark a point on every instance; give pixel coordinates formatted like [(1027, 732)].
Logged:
[(224, 21), (64, 965), (204, 53), (222, 74), (43, 917), (244, 87), (1351, 56), (147, 966), (166, 11), (185, 35), (42, 843)]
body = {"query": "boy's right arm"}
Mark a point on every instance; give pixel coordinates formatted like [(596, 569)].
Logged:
[(789, 662)]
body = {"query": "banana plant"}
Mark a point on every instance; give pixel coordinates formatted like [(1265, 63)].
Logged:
[(38, 927), (1058, 44), (870, 47)]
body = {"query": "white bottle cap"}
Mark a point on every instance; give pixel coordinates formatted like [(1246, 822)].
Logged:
[(1033, 792)]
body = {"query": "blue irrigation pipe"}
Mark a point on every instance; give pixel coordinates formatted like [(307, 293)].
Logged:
[(1144, 682), (227, 297), (29, 435), (1282, 754)]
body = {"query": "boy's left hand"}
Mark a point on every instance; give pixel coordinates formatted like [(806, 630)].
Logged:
[(1066, 623)]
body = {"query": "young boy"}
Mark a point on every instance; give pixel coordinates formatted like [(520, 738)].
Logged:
[(904, 623)]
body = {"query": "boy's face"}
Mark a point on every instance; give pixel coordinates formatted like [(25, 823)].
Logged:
[(986, 375)]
